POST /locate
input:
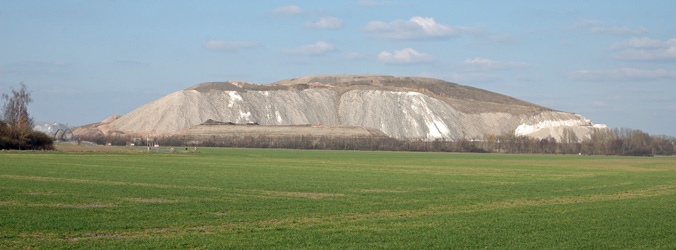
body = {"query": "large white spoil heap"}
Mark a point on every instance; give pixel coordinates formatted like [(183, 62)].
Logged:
[(400, 107)]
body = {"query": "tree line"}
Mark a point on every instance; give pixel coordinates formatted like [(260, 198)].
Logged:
[(627, 142)]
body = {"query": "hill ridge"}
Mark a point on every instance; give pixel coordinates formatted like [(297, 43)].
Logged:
[(401, 107)]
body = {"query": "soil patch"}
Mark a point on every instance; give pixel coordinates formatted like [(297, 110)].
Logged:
[(303, 195), (148, 200), (380, 191), (89, 205), (6, 203)]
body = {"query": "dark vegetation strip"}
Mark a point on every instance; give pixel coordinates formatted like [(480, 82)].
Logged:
[(626, 142)]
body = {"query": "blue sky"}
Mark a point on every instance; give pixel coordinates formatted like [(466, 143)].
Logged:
[(612, 61)]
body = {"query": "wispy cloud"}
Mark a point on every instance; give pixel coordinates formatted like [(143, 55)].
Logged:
[(599, 104), (482, 64), (599, 27), (131, 63), (588, 22), (328, 22), (615, 30), (36, 68), (317, 48), (353, 56), (645, 48), (405, 56), (215, 45), (623, 74), (527, 78), (475, 77), (59, 63), (372, 3), (291, 10)]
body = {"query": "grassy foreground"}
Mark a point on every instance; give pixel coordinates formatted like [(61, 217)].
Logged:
[(254, 198)]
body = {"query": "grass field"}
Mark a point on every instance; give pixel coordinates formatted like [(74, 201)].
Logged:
[(255, 198)]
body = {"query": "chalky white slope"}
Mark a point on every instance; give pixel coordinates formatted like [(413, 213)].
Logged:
[(401, 107)]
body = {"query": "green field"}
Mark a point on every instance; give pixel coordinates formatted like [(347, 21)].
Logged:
[(255, 198)]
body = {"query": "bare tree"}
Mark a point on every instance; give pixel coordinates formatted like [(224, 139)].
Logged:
[(16, 126), (15, 110)]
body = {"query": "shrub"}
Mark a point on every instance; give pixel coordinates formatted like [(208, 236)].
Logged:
[(23, 139)]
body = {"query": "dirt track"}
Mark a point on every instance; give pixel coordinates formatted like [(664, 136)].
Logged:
[(81, 148)]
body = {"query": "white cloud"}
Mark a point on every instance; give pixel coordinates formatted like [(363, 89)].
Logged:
[(645, 49), (427, 28), (415, 28), (229, 46), (615, 30), (638, 43), (623, 74), (481, 64), (405, 56), (372, 3), (599, 27), (60, 63), (588, 22), (317, 48), (291, 10), (599, 104), (328, 22)]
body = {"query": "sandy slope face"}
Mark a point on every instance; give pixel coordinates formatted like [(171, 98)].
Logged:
[(486, 124), (399, 111), (406, 115), (283, 131), (412, 115), (186, 108)]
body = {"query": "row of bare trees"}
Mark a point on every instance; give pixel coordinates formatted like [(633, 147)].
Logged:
[(601, 142), (622, 141)]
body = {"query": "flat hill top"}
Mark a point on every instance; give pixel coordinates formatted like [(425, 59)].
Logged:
[(464, 98)]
